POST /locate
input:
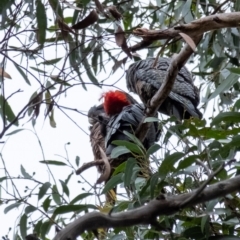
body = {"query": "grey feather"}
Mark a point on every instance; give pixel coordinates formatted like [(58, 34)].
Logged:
[(145, 80), (128, 120)]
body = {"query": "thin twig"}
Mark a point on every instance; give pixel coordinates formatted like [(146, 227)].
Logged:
[(219, 7), (199, 162), (107, 170), (89, 165), (204, 185)]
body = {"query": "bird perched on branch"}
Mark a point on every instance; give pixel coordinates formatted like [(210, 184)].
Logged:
[(119, 112), (98, 119), (123, 115), (144, 79)]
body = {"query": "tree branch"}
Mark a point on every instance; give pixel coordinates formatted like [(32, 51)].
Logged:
[(193, 29), (88, 165), (164, 205)]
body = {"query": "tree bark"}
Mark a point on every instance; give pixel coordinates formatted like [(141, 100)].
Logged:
[(162, 205)]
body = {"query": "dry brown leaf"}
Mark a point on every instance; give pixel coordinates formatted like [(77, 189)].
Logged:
[(121, 40), (119, 63), (126, 49), (119, 36), (63, 26), (4, 74), (87, 21), (37, 104), (65, 29), (99, 6), (136, 55), (188, 40), (114, 12)]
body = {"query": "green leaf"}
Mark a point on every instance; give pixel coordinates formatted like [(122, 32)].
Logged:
[(153, 183), (23, 226), (95, 59), (10, 207), (56, 7), (131, 163), (236, 106), (86, 64), (80, 197), (60, 81), (41, 22), (53, 162), (6, 111), (225, 85), (193, 233), (114, 181), (64, 187), (204, 222), (68, 178), (46, 203), (224, 237), (227, 117), (43, 189), (151, 119), (235, 142), (118, 151), (119, 168), (234, 70), (129, 145), (168, 164), (32, 99), (2, 179), (73, 208), (51, 62), (77, 160), (118, 237), (22, 73), (154, 148), (45, 227), (30, 209), (134, 139), (4, 4), (15, 131), (186, 162), (24, 173), (186, 7), (56, 195), (52, 120), (38, 70), (68, 20), (37, 227), (123, 205), (85, 2)]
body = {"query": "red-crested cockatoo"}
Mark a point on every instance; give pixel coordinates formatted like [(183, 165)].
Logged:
[(118, 113)]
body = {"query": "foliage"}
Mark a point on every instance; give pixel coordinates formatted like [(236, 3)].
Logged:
[(87, 40)]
